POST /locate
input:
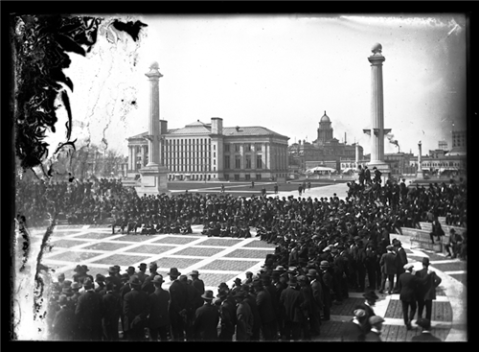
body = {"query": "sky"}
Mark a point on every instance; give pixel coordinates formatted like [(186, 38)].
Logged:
[(281, 72)]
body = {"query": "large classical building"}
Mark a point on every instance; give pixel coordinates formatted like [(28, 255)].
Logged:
[(325, 150), (209, 151)]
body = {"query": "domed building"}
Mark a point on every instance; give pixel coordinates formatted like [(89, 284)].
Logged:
[(325, 131)]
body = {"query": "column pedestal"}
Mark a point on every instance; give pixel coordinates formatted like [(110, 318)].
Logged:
[(154, 180)]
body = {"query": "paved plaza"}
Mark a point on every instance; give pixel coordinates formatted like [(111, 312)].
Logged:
[(224, 259)]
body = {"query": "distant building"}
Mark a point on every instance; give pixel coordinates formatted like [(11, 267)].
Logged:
[(442, 145), (324, 151), (459, 143), (209, 151)]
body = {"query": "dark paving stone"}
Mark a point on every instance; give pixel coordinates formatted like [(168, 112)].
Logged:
[(175, 240), (233, 265), (75, 257), (133, 238), (450, 266), (106, 246), (57, 233), (121, 259), (199, 251), (245, 253), (259, 244), (180, 263), (220, 242), (441, 311), (67, 243), (347, 307), (150, 248), (94, 235)]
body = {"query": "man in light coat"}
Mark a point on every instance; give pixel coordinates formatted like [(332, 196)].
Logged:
[(426, 291)]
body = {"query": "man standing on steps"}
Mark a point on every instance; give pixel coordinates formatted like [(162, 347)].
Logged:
[(401, 260), (426, 292), (407, 286), (388, 268)]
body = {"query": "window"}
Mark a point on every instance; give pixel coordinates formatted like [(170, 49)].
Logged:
[(237, 148), (214, 154), (247, 177), (257, 147), (236, 177), (227, 162), (248, 147), (227, 148), (238, 162), (248, 162), (259, 162), (214, 146), (227, 177), (258, 177)]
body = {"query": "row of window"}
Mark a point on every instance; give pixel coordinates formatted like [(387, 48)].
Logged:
[(227, 164), (248, 147)]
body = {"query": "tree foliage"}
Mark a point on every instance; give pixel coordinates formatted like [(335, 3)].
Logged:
[(41, 43)]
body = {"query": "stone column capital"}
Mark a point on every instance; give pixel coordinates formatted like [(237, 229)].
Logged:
[(376, 59)]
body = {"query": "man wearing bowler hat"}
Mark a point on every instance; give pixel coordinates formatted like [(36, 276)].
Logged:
[(206, 319), (426, 291), (266, 311), (135, 311), (291, 301), (111, 313), (197, 283), (326, 279), (407, 286), (315, 318), (88, 314), (179, 298), (244, 317), (147, 284), (388, 268), (228, 315), (353, 331), (142, 273), (158, 314)]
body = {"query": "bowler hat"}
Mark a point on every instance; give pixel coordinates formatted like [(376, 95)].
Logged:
[(131, 269), (370, 295), (208, 295), (100, 278), (425, 261), (237, 280), (141, 266), (312, 273), (195, 273), (174, 272), (87, 284), (302, 278), (239, 294), (76, 286), (293, 281), (389, 248), (111, 270), (375, 319), (183, 278), (158, 279), (223, 285), (153, 265), (78, 269), (85, 268), (424, 323), (324, 264), (280, 268), (359, 313)]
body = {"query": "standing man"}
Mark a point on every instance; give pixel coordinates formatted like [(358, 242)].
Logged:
[(401, 260), (266, 311), (158, 311), (111, 313), (388, 269), (361, 175), (206, 319), (367, 175), (228, 315), (147, 286), (244, 317), (426, 292), (291, 303), (407, 286), (326, 279), (352, 331), (315, 318), (197, 283), (142, 273), (88, 313), (135, 311), (178, 305)]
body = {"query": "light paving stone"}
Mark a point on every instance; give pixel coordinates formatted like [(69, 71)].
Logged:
[(226, 242), (244, 253), (199, 251), (175, 240), (121, 259), (105, 246), (133, 238), (233, 265), (74, 256), (67, 243), (180, 263), (150, 248), (94, 235)]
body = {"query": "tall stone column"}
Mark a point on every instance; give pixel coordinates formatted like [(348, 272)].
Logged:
[(130, 158), (153, 176), (419, 174), (357, 154), (377, 131), (143, 155), (134, 158)]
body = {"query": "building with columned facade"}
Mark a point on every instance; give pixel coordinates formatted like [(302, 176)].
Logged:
[(208, 151)]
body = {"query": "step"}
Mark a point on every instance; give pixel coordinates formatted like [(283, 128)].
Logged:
[(459, 230), (427, 226), (418, 243), (409, 231)]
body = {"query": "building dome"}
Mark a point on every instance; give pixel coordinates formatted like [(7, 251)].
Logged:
[(325, 118)]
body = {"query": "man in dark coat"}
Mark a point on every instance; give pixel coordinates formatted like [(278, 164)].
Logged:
[(89, 313), (142, 273), (251, 300), (425, 335), (228, 316), (111, 313), (315, 317), (135, 311), (207, 319), (326, 279), (266, 311), (426, 292), (179, 298), (291, 304), (401, 260), (388, 268), (197, 283), (374, 335), (147, 286), (64, 322), (370, 301), (352, 331), (244, 317), (158, 311), (407, 286)]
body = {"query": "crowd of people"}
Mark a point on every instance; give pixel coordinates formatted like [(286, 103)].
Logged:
[(325, 248)]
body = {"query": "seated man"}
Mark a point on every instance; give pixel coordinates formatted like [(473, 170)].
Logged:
[(225, 230), (186, 228)]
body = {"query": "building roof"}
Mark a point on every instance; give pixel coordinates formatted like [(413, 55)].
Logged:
[(200, 128)]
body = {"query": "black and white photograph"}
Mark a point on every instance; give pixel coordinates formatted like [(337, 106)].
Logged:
[(239, 177)]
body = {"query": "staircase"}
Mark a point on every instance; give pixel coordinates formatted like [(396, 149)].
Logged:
[(447, 228), (420, 238)]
